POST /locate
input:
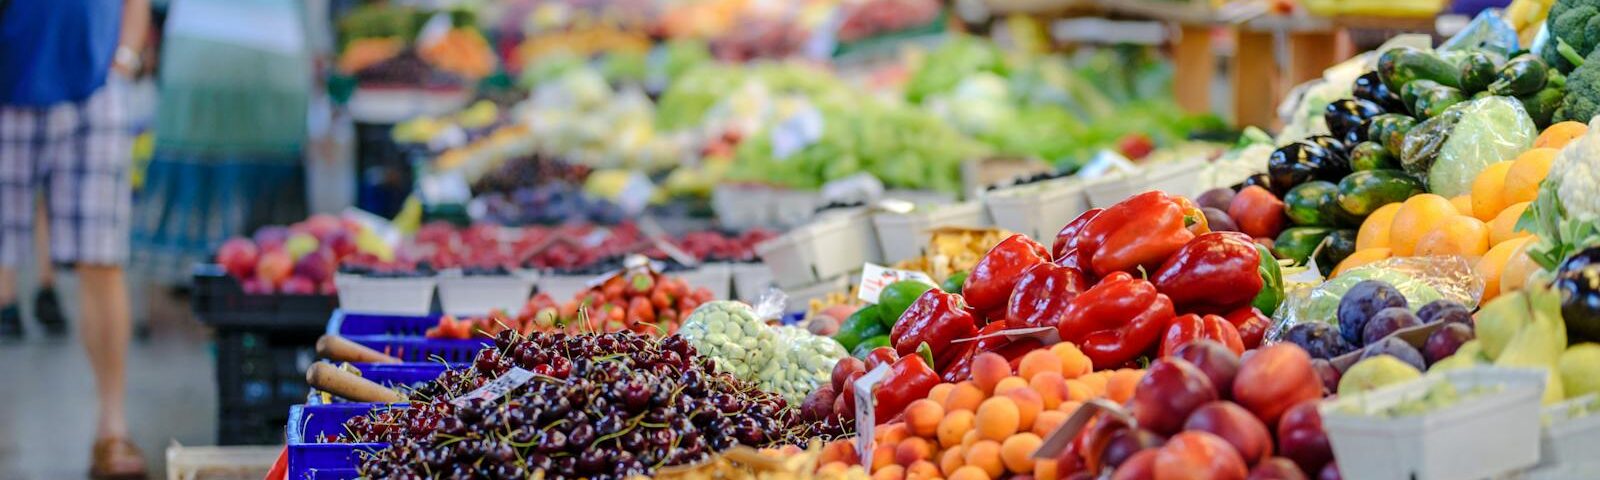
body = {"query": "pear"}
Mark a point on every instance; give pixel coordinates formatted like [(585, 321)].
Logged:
[(1580, 369), (1500, 320), (1376, 372), (1540, 342), (1469, 355), (1553, 391)]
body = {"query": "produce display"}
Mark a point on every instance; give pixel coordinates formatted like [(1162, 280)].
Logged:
[(301, 259)]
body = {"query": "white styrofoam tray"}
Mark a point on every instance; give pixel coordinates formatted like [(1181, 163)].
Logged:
[(1480, 436), (905, 235), (1567, 441), (1176, 178), (836, 243), (800, 297), (1038, 210), (715, 277), (741, 206), (385, 295), (478, 294), (750, 281), (563, 287)]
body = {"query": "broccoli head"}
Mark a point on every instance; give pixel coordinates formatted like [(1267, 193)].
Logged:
[(1583, 91), (1576, 23)]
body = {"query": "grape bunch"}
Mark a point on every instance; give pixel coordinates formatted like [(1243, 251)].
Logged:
[(599, 406)]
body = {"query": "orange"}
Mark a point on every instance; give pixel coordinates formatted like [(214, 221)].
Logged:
[(1560, 134), (1514, 275), (941, 392), (923, 417), (1461, 235), (1375, 230), (1487, 190), (891, 472), (988, 369), (1359, 258), (954, 425), (1038, 361), (1008, 384), (951, 460), (969, 472), (1074, 363), (1493, 263), (1417, 217), (997, 419), (1504, 225), (1029, 404), (1463, 204), (986, 455), (1017, 452), (1119, 387), (1527, 171), (1051, 387), (1048, 421), (965, 396)]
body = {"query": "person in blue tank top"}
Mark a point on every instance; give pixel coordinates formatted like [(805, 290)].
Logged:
[(64, 137)]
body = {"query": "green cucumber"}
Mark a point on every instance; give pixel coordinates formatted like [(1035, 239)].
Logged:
[(1306, 203), (1335, 248), (1477, 71), (1402, 65), (1524, 75), (1361, 193), (1371, 156), (1390, 130), (1414, 90), (1542, 106), (1297, 243), (1436, 100)]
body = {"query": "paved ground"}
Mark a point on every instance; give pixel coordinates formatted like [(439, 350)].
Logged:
[(47, 395)]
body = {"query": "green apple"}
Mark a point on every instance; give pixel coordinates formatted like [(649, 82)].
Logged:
[(1376, 372), (300, 244), (1499, 321), (1580, 370)]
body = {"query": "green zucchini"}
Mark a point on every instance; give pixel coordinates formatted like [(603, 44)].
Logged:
[(1434, 101), (1390, 130), (1414, 90), (1477, 71), (1402, 65), (1335, 248), (1524, 75), (1305, 203), (1361, 193), (1297, 243), (1542, 106), (1371, 155)]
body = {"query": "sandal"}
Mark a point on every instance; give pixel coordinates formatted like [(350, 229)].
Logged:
[(117, 459), (47, 308)]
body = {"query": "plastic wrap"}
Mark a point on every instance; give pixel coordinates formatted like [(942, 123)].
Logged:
[(803, 362), (730, 332), (1491, 129), (1420, 279), (1487, 31)]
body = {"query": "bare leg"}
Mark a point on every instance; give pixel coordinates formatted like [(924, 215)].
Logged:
[(8, 286), (105, 333), (46, 271)]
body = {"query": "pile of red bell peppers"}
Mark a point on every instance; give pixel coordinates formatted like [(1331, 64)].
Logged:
[(1135, 279)]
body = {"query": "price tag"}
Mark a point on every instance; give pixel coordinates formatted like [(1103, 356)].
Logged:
[(875, 277), (493, 390), (866, 419), (796, 132)]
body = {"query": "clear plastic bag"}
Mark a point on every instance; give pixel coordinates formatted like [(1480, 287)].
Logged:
[(1491, 129), (1420, 279), (1487, 31)]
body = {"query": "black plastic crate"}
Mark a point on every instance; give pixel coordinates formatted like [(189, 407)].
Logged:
[(219, 300), (259, 375)]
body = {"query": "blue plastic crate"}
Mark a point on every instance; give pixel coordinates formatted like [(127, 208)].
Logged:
[(326, 461), (401, 336), (353, 324), (390, 375)]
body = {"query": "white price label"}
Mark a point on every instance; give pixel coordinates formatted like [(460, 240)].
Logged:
[(875, 277), (866, 419), (489, 392)]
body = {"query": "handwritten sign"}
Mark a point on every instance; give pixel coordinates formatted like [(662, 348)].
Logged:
[(492, 391), (866, 419), (875, 277)]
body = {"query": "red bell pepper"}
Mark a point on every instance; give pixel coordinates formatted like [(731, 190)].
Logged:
[(909, 379), (880, 356), (960, 368), (1042, 294), (1251, 324), (936, 318), (1191, 327), (1215, 273), (1117, 320), (1143, 231), (1067, 238), (989, 285)]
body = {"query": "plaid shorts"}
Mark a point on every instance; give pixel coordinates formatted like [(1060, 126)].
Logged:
[(76, 155)]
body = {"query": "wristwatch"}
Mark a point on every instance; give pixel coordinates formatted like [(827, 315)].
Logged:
[(126, 58)]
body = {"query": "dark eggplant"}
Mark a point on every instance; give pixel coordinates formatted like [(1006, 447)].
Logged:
[(1478, 70), (1356, 135), (1578, 280), (1297, 163), (1368, 87), (1347, 114), (1259, 180), (1524, 75), (1338, 164)]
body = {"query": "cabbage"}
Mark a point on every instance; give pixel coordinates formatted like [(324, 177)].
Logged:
[(1491, 129)]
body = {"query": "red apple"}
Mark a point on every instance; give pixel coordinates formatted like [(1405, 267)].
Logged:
[(1277, 468), (1275, 378), (1302, 439), (842, 370), (1236, 425), (1170, 390), (299, 285), (316, 266), (1140, 466), (271, 237), (274, 267), (343, 244), (1215, 360), (327, 287), (323, 225), (1198, 455), (1330, 472), (238, 257)]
